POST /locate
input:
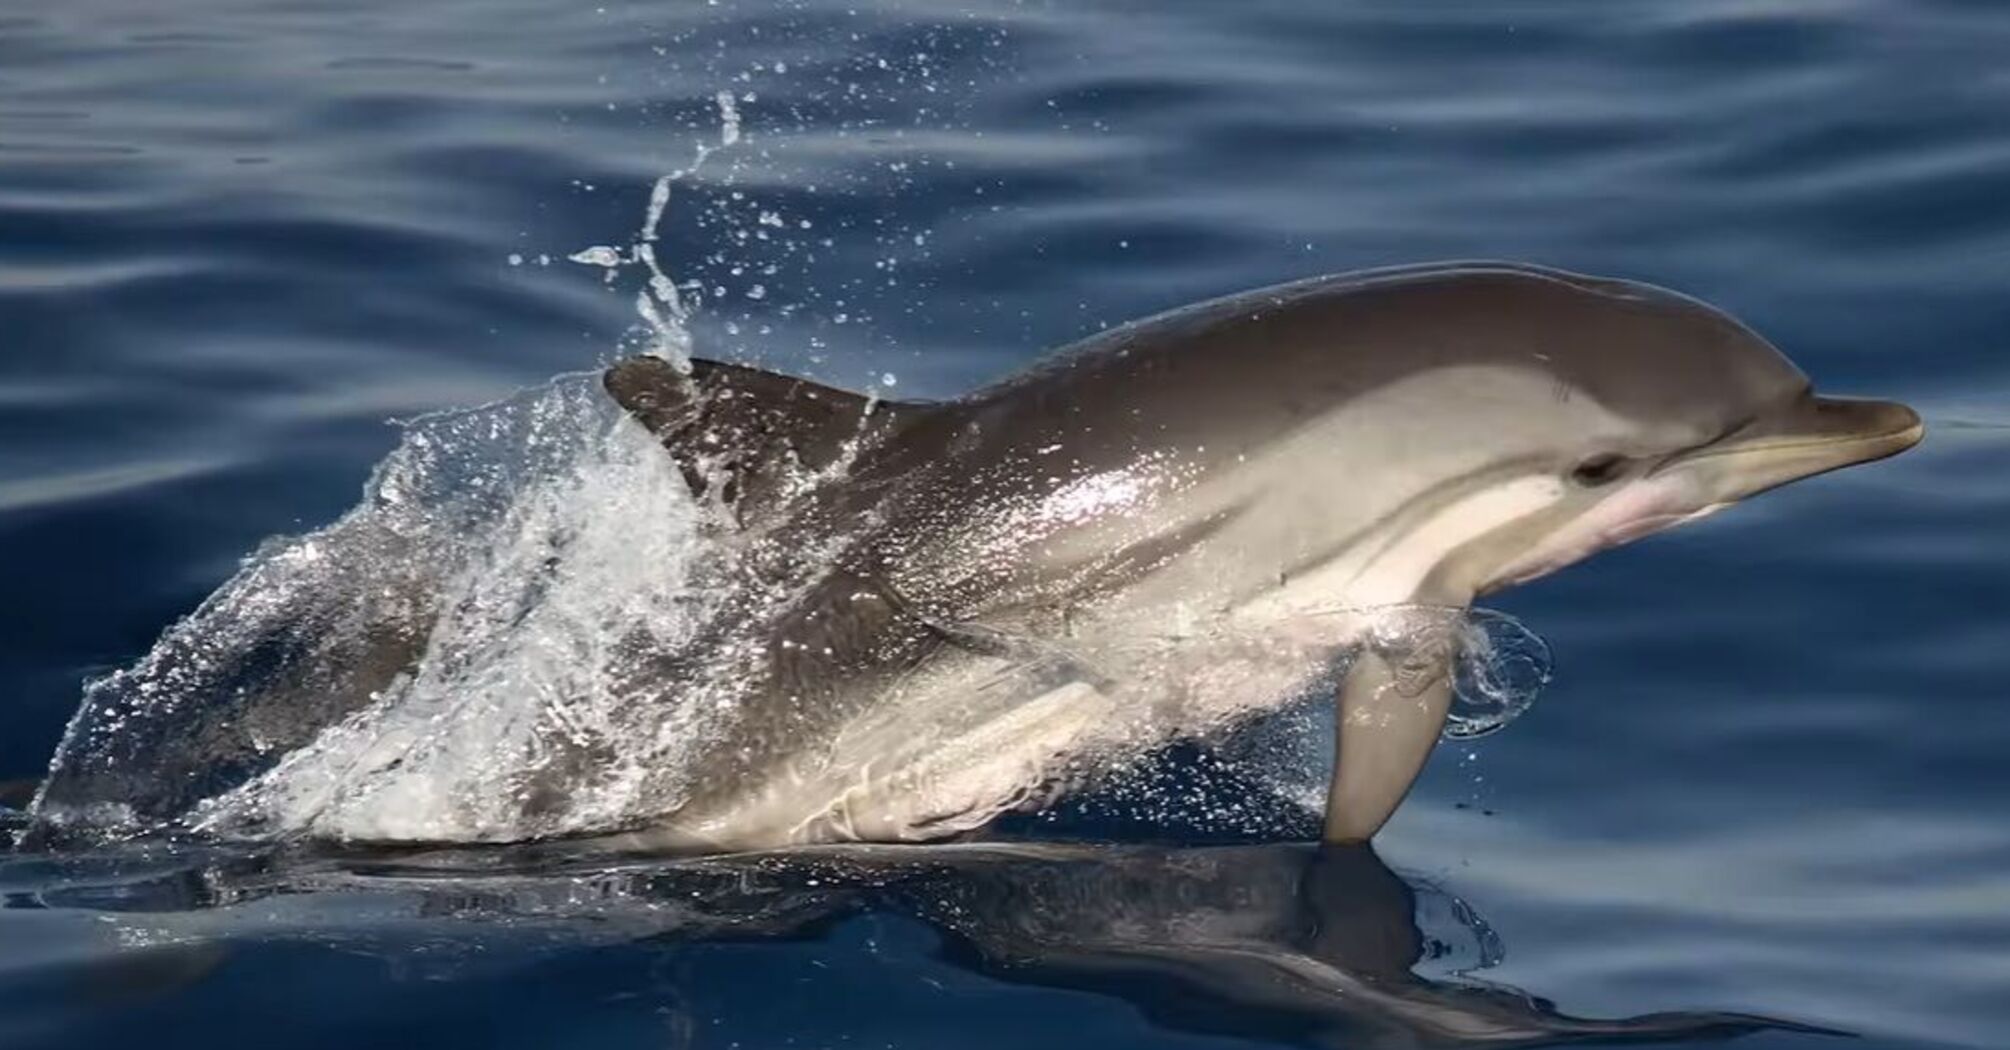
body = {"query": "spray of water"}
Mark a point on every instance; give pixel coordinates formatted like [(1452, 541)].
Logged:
[(425, 666), (517, 634), (475, 653), (662, 302)]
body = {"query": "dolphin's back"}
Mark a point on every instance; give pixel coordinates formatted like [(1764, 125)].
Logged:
[(1263, 359)]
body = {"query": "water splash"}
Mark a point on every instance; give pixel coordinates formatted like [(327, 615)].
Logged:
[(1473, 944), (474, 653), (410, 670), (664, 304), (516, 634), (1502, 667), (1263, 772)]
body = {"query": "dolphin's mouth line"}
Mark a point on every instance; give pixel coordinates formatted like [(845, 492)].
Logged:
[(1885, 443), (1904, 436)]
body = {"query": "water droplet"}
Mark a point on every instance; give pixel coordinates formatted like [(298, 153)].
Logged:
[(1502, 667)]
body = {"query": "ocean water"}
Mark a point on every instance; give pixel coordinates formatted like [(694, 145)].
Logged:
[(239, 237)]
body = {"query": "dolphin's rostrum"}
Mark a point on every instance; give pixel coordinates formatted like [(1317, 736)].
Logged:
[(1276, 464)]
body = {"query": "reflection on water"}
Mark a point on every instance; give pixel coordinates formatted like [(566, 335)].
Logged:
[(1313, 946), (1321, 947)]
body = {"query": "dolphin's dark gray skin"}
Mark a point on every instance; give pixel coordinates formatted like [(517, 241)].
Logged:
[(1110, 533)]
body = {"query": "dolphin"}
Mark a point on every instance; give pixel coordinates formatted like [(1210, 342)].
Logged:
[(913, 617), (1178, 523)]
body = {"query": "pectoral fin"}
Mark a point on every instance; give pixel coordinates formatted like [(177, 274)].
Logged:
[(1391, 709)]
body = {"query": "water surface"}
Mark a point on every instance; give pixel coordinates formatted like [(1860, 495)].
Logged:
[(236, 237)]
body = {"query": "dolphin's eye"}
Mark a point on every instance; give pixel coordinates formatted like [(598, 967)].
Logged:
[(1602, 469)]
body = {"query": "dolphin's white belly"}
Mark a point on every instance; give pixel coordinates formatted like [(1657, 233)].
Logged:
[(964, 740)]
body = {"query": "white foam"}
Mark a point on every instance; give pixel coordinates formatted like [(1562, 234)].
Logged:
[(541, 612)]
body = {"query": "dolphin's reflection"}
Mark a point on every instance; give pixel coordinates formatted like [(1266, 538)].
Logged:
[(1293, 944), (1312, 946)]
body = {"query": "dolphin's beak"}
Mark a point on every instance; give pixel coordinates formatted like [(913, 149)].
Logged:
[(1811, 436)]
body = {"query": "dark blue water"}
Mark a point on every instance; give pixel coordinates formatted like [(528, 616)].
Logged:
[(238, 236)]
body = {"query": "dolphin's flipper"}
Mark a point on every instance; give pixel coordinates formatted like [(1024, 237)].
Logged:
[(1391, 709), (744, 436)]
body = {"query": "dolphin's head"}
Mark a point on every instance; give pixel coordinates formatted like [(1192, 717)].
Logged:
[(1466, 428), (1648, 409), (1420, 434)]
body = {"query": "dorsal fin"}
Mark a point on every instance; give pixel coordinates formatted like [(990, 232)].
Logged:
[(741, 434)]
